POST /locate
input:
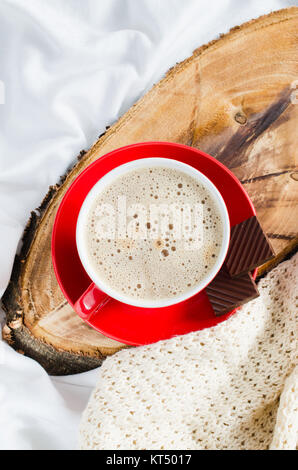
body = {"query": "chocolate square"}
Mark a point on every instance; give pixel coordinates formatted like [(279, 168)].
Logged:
[(226, 293), (249, 247)]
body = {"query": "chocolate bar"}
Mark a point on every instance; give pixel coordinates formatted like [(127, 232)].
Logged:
[(249, 247), (226, 293)]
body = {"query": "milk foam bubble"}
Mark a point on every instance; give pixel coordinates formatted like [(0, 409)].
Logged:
[(154, 233)]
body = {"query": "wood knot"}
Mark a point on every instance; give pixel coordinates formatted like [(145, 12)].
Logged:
[(294, 176), (240, 118)]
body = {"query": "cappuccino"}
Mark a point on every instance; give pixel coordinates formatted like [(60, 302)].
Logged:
[(154, 233)]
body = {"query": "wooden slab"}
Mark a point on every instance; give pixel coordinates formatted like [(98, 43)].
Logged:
[(233, 98)]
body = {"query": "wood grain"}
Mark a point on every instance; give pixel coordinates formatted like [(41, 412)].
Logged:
[(233, 99)]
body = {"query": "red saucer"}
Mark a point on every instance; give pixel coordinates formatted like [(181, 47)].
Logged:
[(124, 323)]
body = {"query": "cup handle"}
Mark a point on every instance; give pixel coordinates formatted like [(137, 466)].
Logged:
[(90, 302)]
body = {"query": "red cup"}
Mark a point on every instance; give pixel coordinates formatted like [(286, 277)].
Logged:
[(99, 292)]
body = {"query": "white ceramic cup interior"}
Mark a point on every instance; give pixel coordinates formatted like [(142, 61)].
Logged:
[(106, 181)]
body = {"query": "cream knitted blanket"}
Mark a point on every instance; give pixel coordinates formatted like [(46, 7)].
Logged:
[(234, 386)]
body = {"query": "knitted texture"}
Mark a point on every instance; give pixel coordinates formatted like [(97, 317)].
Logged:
[(286, 427), (218, 388)]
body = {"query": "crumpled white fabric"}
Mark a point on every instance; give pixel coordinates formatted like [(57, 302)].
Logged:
[(68, 68)]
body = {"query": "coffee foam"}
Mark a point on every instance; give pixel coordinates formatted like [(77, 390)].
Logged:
[(160, 266)]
